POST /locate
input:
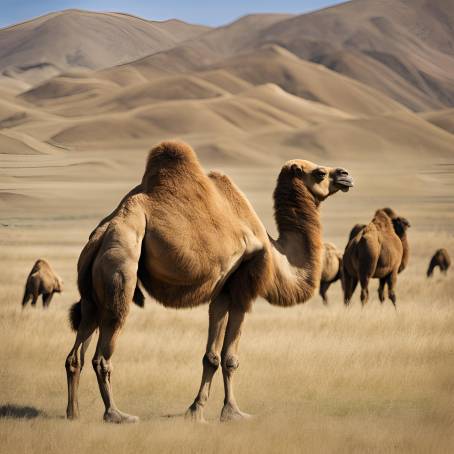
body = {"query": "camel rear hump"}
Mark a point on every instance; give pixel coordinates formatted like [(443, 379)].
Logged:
[(170, 159)]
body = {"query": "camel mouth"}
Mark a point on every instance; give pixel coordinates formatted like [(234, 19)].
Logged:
[(344, 183)]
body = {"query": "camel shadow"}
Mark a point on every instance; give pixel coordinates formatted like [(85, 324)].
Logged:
[(20, 412)]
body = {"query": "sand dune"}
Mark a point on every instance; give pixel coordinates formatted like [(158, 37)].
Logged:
[(62, 87), (169, 88), (138, 112), (442, 118), (10, 145)]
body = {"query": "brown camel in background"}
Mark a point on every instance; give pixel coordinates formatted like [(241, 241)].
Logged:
[(42, 280), (377, 250), (331, 268), (441, 259), (192, 238)]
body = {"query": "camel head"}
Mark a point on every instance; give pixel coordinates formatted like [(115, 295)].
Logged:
[(400, 225), (322, 181), (58, 284)]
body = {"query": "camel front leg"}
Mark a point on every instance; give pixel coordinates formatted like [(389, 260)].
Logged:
[(47, 298), (230, 363), (381, 289), (218, 313)]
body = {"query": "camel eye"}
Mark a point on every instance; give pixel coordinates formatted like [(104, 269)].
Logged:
[(320, 174)]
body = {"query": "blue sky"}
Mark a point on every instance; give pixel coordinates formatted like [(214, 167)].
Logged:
[(209, 12)]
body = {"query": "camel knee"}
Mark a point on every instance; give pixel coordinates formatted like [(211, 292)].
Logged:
[(102, 367), (230, 363), (72, 364), (211, 360)]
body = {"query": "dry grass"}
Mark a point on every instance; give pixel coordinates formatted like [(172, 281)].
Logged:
[(318, 379)]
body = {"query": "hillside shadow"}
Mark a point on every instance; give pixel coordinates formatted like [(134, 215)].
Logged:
[(20, 412)]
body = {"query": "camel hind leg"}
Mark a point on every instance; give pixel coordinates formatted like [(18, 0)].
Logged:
[(118, 294), (349, 285), (392, 281), (381, 289), (75, 361), (364, 281), (324, 286)]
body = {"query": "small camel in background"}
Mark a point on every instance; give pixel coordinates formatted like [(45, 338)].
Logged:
[(331, 268), (441, 259), (377, 250), (42, 280)]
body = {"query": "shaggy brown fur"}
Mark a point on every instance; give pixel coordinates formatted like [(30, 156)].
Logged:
[(441, 259), (331, 268), (191, 239), (377, 250), (42, 280)]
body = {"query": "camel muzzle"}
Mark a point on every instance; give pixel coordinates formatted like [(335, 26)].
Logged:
[(343, 180)]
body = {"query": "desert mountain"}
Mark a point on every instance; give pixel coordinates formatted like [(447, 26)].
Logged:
[(340, 82), (413, 39), (403, 48), (71, 39)]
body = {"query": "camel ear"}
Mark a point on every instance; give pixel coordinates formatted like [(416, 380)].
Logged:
[(296, 170)]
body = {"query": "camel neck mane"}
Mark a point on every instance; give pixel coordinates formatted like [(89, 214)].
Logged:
[(295, 208), (296, 255)]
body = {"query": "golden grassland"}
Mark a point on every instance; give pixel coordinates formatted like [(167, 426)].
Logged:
[(318, 379)]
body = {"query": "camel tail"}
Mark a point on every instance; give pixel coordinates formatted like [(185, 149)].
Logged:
[(75, 315)]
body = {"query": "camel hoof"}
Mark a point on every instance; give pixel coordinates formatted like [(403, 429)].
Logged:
[(230, 413), (194, 413), (72, 416), (118, 417)]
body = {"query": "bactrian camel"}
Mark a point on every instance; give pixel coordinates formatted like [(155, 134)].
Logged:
[(42, 280), (441, 259), (331, 268), (192, 238), (377, 250)]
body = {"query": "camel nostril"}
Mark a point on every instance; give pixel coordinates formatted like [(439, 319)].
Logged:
[(342, 172)]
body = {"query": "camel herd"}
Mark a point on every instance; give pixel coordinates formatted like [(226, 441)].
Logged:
[(190, 238)]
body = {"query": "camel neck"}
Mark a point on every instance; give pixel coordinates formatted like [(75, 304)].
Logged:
[(297, 251)]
